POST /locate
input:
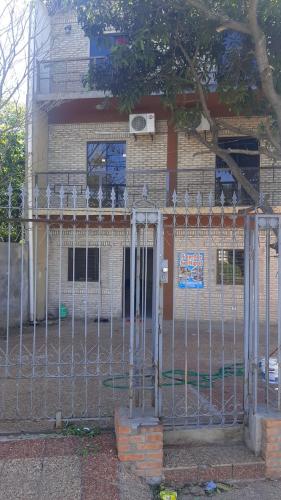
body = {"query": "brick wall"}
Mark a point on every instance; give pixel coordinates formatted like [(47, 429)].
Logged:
[(67, 152), (67, 46), (140, 444), (271, 446), (193, 156), (211, 302), (215, 301), (104, 297)]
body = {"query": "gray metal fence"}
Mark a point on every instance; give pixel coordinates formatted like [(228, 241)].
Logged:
[(263, 313), (142, 306)]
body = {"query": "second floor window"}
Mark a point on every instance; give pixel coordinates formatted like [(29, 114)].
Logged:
[(106, 168), (249, 165), (101, 46)]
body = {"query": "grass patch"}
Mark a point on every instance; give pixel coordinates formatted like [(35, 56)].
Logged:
[(80, 431)]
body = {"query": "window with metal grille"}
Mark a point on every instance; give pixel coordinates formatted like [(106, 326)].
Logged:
[(230, 267), (79, 265)]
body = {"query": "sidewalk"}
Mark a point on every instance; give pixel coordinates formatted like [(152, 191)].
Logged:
[(56, 468), (75, 468)]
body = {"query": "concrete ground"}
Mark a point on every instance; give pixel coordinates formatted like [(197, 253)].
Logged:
[(56, 468), (75, 468), (253, 490), (82, 370)]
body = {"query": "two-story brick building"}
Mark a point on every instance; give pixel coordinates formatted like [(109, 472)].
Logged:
[(77, 138)]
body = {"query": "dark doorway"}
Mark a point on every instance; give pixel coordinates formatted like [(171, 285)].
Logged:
[(149, 281)]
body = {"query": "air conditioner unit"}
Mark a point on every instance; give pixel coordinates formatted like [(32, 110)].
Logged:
[(142, 124), (204, 125)]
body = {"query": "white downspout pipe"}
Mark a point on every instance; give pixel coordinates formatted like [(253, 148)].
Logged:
[(29, 154)]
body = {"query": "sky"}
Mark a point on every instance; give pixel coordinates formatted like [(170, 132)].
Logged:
[(14, 12)]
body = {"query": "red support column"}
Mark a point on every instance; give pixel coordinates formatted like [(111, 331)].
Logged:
[(172, 159)]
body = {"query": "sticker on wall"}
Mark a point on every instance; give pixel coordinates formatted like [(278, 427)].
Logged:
[(190, 269)]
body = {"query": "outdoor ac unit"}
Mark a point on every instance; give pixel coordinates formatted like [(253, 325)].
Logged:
[(142, 124), (204, 125)]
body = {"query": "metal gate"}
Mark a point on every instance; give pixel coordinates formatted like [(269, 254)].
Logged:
[(79, 353), (262, 313)]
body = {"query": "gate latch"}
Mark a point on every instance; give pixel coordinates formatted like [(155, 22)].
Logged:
[(164, 271)]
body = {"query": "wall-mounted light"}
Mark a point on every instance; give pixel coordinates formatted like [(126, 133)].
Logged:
[(67, 29)]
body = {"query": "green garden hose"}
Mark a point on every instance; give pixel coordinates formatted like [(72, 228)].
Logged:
[(180, 377)]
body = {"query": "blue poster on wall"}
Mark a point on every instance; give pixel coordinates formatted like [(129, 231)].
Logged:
[(190, 270)]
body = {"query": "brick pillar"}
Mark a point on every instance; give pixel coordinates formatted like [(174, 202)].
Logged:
[(271, 446), (140, 444)]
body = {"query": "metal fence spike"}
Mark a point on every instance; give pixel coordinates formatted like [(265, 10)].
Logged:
[(199, 199), (211, 199), (113, 197), (125, 198), (186, 199), (87, 193), (145, 192)]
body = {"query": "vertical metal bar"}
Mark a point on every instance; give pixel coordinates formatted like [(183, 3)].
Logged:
[(99, 320), (124, 299), (267, 313), (144, 299), (23, 242), (256, 313), (198, 310), (34, 298), (160, 321), (19, 370), (185, 323), (72, 369), (111, 360), (158, 312), (46, 301), (247, 303), (173, 323), (234, 306), (10, 192), (111, 350), (279, 316), (132, 312), (137, 321), (222, 314), (210, 306), (86, 302), (60, 292)]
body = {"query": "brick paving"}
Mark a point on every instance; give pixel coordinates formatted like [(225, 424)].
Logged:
[(184, 464), (58, 468)]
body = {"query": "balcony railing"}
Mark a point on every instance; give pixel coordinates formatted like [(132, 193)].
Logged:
[(158, 187), (68, 76), (64, 76)]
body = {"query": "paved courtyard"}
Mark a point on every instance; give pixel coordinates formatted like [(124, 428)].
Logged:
[(81, 369)]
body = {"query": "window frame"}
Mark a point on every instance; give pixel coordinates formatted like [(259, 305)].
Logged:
[(238, 189), (96, 266), (238, 281)]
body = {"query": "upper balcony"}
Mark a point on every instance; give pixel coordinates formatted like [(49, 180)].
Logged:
[(161, 188), (60, 79)]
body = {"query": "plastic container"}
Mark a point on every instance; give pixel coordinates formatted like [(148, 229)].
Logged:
[(168, 495), (272, 370), (63, 311)]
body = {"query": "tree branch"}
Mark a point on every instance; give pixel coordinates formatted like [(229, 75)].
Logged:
[(265, 69), (220, 17)]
